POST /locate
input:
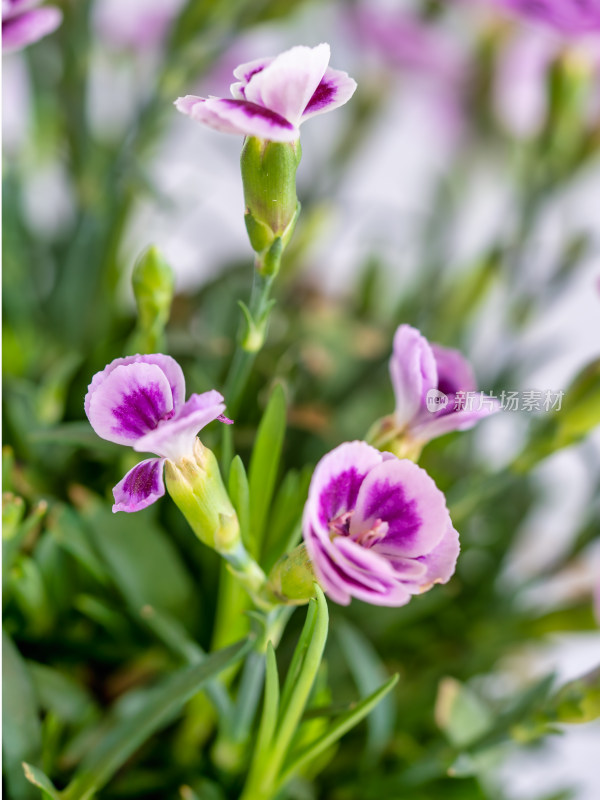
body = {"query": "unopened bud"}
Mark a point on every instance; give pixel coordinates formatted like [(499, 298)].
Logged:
[(195, 484), (153, 284), (272, 208), (292, 579)]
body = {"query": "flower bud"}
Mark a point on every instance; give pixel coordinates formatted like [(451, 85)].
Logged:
[(269, 178), (195, 484), (292, 579), (153, 285)]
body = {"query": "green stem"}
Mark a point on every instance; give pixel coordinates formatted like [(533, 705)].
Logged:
[(232, 745), (250, 341)]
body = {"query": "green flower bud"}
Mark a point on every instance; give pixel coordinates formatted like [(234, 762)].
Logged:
[(153, 286), (292, 579), (272, 208), (197, 489)]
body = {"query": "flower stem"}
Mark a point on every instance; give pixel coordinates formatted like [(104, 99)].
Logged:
[(250, 340)]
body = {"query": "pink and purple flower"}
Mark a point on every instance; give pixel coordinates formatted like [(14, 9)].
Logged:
[(377, 527), (435, 389), (568, 17), (23, 24), (272, 97), (140, 401)]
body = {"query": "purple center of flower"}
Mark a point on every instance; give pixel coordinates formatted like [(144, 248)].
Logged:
[(388, 505), (141, 410), (340, 526), (341, 495)]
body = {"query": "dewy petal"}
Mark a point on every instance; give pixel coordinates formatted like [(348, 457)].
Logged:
[(19, 31), (335, 89), (479, 406), (140, 487), (174, 438), (441, 562), (129, 402), (238, 117), (336, 482), (168, 365), (288, 83), (413, 372), (403, 495)]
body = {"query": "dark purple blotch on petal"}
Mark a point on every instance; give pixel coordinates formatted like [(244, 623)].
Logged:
[(143, 480), (387, 501), (323, 96), (140, 411), (340, 494), (252, 110)]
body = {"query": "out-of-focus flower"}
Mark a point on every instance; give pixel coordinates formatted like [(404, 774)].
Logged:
[(136, 24), (420, 49), (435, 391), (520, 94), (23, 24), (140, 401), (407, 42), (274, 96), (377, 527), (522, 91), (569, 17)]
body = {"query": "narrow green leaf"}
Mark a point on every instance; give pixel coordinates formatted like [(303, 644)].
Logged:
[(368, 672), (22, 734), (299, 654), (305, 665), (292, 712), (264, 465), (130, 733), (239, 492), (36, 777), (271, 705), (284, 530), (337, 729)]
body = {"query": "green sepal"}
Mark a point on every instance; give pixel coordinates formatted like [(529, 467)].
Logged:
[(197, 489)]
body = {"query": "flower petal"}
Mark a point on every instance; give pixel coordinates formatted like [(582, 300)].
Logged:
[(479, 405), (168, 365), (244, 72), (403, 495), (336, 482), (174, 438), (129, 402), (413, 372), (335, 89), (288, 83), (140, 487), (440, 563), (453, 370), (19, 31), (238, 117)]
